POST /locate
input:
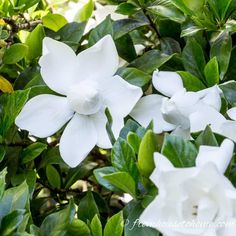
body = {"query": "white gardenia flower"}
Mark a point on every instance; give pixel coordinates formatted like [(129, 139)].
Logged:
[(174, 111), (87, 85), (194, 201)]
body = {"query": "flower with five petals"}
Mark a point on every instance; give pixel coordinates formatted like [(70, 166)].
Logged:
[(86, 85)]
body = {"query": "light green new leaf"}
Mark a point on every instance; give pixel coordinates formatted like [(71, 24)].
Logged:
[(54, 21), (114, 225), (85, 12), (96, 226), (211, 72), (147, 148)]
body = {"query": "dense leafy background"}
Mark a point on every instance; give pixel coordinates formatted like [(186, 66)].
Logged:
[(39, 194)]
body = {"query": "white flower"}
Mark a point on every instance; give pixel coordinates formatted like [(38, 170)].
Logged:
[(87, 86), (194, 201), (174, 111)]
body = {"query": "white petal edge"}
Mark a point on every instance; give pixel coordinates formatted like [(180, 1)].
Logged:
[(44, 115), (147, 109), (58, 66), (99, 119), (220, 156), (99, 61), (119, 95), (232, 113), (77, 140), (167, 82), (206, 115)]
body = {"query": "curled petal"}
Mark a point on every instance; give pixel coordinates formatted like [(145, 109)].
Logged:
[(99, 61), (149, 108), (77, 140), (119, 95), (204, 116), (58, 66), (220, 156), (167, 82), (44, 115)]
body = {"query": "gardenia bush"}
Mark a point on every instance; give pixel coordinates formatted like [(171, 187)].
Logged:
[(117, 118)]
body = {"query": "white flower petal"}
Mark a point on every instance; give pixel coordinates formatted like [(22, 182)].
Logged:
[(99, 61), (184, 133), (58, 66), (167, 82), (119, 95), (44, 115), (77, 140), (220, 156), (100, 120), (211, 96), (228, 129), (232, 113), (204, 116), (147, 109)]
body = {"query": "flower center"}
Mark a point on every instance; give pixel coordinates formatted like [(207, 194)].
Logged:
[(85, 98)]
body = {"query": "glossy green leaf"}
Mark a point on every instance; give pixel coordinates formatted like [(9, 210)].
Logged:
[(114, 226), (85, 12), (15, 53), (181, 152), (87, 208), (147, 148), (54, 21), (96, 226), (191, 82), (193, 58), (53, 176), (221, 49), (124, 181), (211, 72), (32, 151), (34, 42)]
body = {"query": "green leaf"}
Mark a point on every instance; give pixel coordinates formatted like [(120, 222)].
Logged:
[(71, 32), (11, 222), (96, 226), (53, 176), (54, 21), (56, 224), (115, 225), (125, 26), (100, 31), (147, 148), (191, 83), (126, 8), (99, 175), (123, 158), (229, 90), (181, 152), (32, 151), (10, 105), (207, 138), (34, 42), (14, 199), (77, 228), (2, 182), (134, 76), (124, 181), (211, 72), (130, 126), (193, 58), (15, 53), (2, 153), (134, 141), (150, 61), (85, 12), (219, 7), (87, 208), (168, 12), (221, 49), (132, 226)]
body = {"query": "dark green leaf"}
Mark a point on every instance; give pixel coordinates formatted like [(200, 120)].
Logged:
[(53, 176), (181, 152)]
